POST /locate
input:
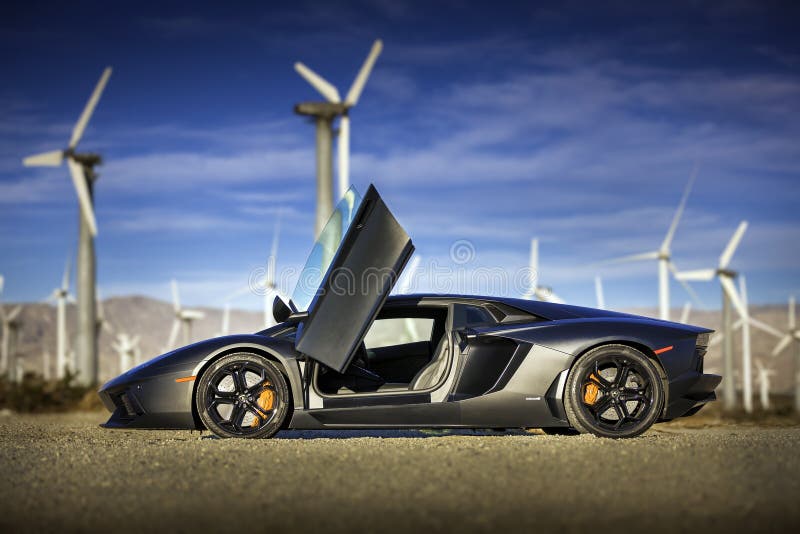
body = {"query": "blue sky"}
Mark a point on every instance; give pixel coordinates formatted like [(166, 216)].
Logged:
[(486, 121)]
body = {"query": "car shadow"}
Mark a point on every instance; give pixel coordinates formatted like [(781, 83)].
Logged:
[(407, 433)]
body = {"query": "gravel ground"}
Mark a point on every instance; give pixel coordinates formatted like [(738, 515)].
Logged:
[(63, 472)]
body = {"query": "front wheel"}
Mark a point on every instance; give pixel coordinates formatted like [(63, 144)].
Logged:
[(614, 391), (242, 396)]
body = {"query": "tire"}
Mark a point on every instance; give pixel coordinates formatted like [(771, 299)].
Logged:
[(614, 391), (242, 395), (559, 431)]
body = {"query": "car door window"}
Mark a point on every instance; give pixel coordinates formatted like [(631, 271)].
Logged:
[(466, 315), (398, 331)]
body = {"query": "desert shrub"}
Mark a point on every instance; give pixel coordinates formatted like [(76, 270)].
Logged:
[(34, 394)]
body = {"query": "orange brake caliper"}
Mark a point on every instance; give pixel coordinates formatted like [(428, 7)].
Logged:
[(265, 402), (590, 391)]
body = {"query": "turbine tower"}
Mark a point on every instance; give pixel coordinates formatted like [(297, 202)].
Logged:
[(664, 256), (792, 337), (183, 319), (11, 324), (763, 378), (729, 297), (61, 296), (537, 291), (81, 168), (324, 114)]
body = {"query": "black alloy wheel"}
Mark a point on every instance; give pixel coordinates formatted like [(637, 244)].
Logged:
[(244, 396)]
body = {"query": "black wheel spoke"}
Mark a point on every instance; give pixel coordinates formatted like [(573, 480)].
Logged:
[(237, 416), (622, 375), (221, 394), (601, 407), (218, 401), (599, 377), (240, 380), (258, 411), (620, 411)]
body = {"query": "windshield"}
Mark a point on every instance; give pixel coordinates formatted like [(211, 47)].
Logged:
[(324, 249)]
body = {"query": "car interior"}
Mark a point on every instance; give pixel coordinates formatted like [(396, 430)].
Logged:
[(405, 349)]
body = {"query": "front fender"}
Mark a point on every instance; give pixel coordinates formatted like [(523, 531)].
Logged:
[(280, 350)]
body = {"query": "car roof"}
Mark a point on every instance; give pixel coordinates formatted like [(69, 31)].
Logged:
[(547, 310)]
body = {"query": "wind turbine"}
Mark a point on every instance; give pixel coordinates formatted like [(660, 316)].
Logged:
[(598, 292), (729, 297), (792, 336), (537, 291), (763, 378), (266, 284), (61, 296), (664, 256), (183, 319), (81, 168), (8, 356), (127, 348), (324, 113)]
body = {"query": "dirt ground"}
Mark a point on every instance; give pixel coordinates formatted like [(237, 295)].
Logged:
[(63, 472)]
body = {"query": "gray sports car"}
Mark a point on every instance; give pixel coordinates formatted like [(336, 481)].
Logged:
[(345, 354)]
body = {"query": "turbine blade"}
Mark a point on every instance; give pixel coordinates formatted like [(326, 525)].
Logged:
[(80, 126), (727, 254), (176, 297), (764, 327), (743, 290), (239, 292), (534, 259), (45, 159), (82, 190), (665, 246), (730, 289), (273, 253), (361, 78), (14, 313), (319, 83), (65, 279), (689, 289), (598, 291), (2, 283), (633, 257), (792, 322), (701, 275), (782, 344), (343, 146)]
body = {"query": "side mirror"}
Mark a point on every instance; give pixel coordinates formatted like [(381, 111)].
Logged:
[(280, 311)]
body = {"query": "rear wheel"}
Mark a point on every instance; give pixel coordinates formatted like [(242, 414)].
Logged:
[(614, 391), (242, 396)]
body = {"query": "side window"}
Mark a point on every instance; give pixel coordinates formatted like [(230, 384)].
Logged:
[(472, 316), (397, 331)]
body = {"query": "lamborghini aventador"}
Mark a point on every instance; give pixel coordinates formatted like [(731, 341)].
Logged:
[(345, 354)]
